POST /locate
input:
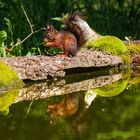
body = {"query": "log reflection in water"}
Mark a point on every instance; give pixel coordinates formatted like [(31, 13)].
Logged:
[(43, 90)]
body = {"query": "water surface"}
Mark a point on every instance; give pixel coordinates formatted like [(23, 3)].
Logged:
[(103, 113)]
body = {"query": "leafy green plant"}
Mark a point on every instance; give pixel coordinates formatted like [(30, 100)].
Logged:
[(3, 37), (15, 47), (114, 17), (10, 30)]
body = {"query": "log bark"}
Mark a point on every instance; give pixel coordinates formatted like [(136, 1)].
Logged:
[(135, 63), (42, 67)]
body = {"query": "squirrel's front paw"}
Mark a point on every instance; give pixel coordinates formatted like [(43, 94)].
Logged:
[(62, 55)]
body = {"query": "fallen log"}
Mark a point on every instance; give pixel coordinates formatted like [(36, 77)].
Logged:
[(42, 67)]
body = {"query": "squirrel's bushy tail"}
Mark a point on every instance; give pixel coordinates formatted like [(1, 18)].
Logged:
[(76, 24)]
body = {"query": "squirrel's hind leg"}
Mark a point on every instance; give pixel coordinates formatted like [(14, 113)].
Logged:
[(70, 48)]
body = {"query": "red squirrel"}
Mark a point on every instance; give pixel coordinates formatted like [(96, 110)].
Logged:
[(64, 40)]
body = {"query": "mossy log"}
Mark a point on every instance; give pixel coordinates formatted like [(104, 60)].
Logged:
[(42, 67)]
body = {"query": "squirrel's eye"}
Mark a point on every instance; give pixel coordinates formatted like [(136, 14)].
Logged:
[(48, 35)]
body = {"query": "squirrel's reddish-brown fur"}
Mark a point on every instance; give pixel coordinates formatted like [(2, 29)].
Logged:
[(64, 40)]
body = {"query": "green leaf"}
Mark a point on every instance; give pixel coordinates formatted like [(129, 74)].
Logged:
[(3, 37), (57, 18), (61, 19), (10, 28), (29, 54)]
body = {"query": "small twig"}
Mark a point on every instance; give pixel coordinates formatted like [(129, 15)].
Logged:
[(18, 43), (28, 110), (31, 26), (29, 35)]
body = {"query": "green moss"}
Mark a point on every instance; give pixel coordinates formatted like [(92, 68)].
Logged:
[(7, 98), (8, 77), (133, 48), (111, 44), (134, 80), (125, 58), (115, 88), (4, 112)]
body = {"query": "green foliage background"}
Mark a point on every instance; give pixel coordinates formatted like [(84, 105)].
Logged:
[(113, 17)]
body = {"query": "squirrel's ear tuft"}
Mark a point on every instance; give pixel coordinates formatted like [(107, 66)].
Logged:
[(50, 27)]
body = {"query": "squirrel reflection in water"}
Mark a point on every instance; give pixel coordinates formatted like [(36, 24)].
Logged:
[(73, 108), (68, 106)]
